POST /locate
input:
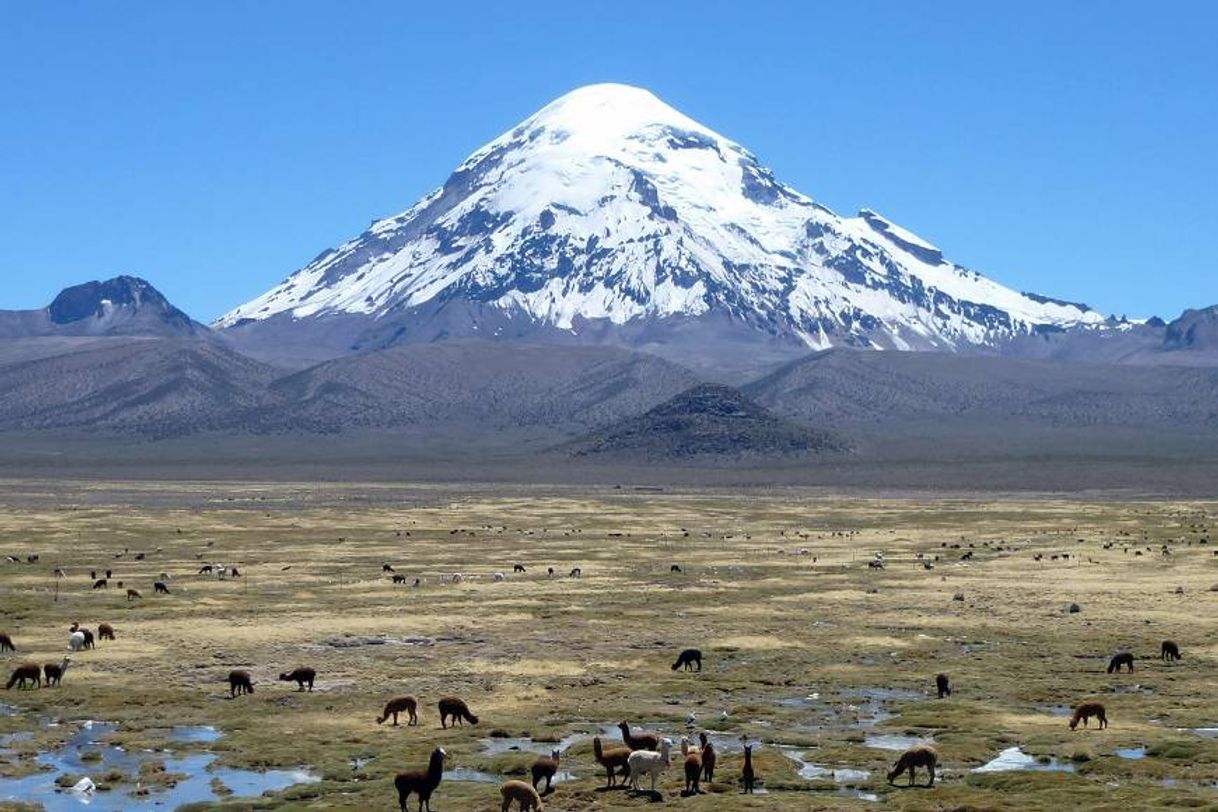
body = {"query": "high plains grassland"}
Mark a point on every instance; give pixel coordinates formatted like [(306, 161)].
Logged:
[(810, 654)]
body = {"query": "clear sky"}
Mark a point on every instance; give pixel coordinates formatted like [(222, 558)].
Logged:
[(1065, 148)]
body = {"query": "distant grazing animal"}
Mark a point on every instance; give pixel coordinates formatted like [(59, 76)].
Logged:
[(386, 568), (105, 632), (1085, 711), (26, 672), (693, 767), (421, 782), (646, 761), (54, 671), (76, 627), (550, 570), (400, 704), (160, 587), (134, 593), (943, 684), (399, 579), (675, 568), (458, 577), (643, 741), (1169, 651), (6, 643), (239, 682), (206, 569), (456, 708), (1125, 658), (499, 576), (93, 575), (545, 767), (577, 572), (688, 658), (920, 755), (708, 758), (518, 568), (300, 676), (875, 564), (109, 573), (747, 776), (76, 641), (100, 583), (417, 582), (521, 793), (60, 572), (613, 759)]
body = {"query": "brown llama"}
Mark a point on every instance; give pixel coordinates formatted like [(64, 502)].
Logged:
[(239, 682), (421, 782), (398, 578), (101, 583), (160, 587), (643, 741), (747, 776), (6, 643), (105, 632), (53, 672), (521, 793), (1169, 651), (300, 676), (943, 684), (688, 658), (546, 767), (134, 593), (708, 758), (456, 708), (693, 768), (921, 755), (26, 672), (399, 704), (611, 760), (1085, 711), (1125, 658)]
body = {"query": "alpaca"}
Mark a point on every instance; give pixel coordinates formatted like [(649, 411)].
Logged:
[(160, 587), (693, 767), (76, 641), (421, 782), (458, 578), (206, 569), (101, 583), (1124, 658), (399, 578), (645, 761), (54, 672), (105, 632), (499, 576), (1085, 711), (456, 708), (386, 568), (26, 672), (1169, 651), (133, 593), (577, 572), (708, 758), (397, 705), (545, 767), (747, 776), (675, 568), (920, 755), (611, 759), (6, 643), (239, 682), (300, 676), (688, 658), (643, 741), (522, 793), (518, 568), (944, 685)]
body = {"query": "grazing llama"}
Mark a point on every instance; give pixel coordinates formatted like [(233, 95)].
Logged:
[(921, 755)]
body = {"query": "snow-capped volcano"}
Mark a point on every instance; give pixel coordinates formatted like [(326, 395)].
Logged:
[(610, 216)]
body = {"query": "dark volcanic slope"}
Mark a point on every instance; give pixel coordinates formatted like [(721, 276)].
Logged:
[(708, 420), (843, 387), (122, 306)]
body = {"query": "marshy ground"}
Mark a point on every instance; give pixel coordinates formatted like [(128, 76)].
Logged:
[(825, 663)]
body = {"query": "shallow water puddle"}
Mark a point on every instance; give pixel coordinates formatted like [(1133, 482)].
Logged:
[(895, 741), (462, 774), (194, 734), (495, 746), (1013, 758), (1132, 753), (812, 772)]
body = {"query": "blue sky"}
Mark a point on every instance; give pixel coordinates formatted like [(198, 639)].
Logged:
[(1065, 148)]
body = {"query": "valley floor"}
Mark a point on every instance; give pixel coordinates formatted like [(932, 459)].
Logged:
[(823, 662)]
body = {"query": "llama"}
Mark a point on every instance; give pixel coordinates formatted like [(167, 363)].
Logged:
[(675, 568), (709, 757), (1085, 711), (6, 643), (386, 568), (643, 741), (54, 672), (76, 641), (545, 767), (105, 632), (458, 577), (76, 627), (206, 569), (160, 587), (499, 576), (456, 708), (688, 658), (747, 776), (1169, 651), (522, 793), (921, 755), (944, 685), (693, 768), (300, 676), (239, 682), (576, 572), (101, 583), (1125, 658), (26, 672), (133, 593), (518, 568), (399, 578), (612, 759), (646, 761), (399, 704), (421, 782)]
